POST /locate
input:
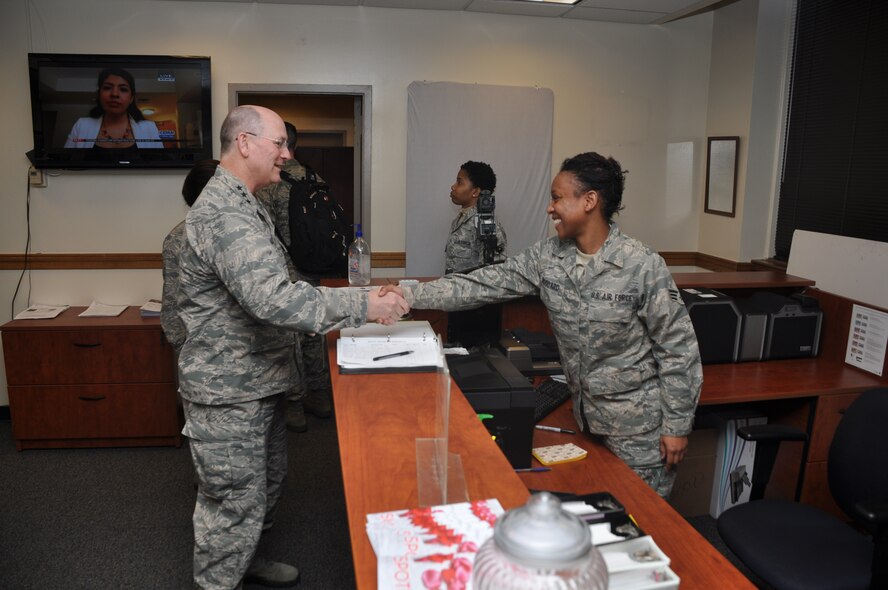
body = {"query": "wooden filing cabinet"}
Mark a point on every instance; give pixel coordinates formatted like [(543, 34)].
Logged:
[(90, 382)]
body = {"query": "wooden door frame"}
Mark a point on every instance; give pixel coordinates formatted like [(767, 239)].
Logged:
[(364, 126)]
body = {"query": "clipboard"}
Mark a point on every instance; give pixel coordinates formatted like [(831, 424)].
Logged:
[(405, 347)]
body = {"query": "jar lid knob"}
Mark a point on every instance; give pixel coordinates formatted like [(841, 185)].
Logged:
[(542, 534)]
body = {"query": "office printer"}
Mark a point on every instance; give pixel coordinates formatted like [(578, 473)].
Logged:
[(493, 386), (531, 352)]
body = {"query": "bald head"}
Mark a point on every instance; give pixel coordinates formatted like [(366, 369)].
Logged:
[(254, 145)]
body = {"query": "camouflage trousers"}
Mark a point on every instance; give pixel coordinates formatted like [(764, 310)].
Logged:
[(313, 366), (641, 452), (240, 456), (312, 361)]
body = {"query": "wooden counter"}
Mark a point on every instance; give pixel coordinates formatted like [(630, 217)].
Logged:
[(380, 416)]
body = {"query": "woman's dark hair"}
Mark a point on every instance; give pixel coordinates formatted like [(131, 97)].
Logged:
[(132, 110), (197, 178), (594, 172), (480, 175)]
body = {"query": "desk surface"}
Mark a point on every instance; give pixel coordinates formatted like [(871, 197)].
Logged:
[(380, 416)]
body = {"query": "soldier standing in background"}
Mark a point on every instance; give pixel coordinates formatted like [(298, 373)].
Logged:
[(627, 345), (173, 328), (313, 393), (241, 312), (464, 250)]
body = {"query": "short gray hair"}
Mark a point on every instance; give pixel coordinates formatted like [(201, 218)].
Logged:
[(243, 118)]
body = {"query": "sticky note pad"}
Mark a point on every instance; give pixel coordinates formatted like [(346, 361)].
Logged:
[(559, 454)]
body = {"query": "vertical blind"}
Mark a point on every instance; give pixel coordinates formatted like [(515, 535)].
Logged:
[(835, 153)]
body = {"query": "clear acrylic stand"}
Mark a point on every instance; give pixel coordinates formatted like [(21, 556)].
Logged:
[(439, 474)]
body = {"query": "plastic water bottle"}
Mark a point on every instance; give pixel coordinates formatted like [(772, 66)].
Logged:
[(359, 260)]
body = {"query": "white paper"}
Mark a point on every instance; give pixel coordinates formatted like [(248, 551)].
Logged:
[(39, 311), (151, 307), (415, 547), (867, 338), (361, 348), (96, 310)]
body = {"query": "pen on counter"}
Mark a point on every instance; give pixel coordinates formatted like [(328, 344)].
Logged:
[(392, 355), (553, 428), (532, 469)]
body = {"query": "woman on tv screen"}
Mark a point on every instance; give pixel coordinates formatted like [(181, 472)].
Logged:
[(115, 122)]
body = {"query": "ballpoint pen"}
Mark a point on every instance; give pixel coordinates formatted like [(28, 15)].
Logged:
[(532, 469), (392, 355), (554, 429)]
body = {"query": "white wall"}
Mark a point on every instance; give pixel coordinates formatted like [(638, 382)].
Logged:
[(639, 93), (747, 85)]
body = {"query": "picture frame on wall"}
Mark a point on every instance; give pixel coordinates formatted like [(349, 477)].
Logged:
[(721, 176)]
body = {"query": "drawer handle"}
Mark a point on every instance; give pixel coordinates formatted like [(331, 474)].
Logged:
[(87, 344), (91, 398)]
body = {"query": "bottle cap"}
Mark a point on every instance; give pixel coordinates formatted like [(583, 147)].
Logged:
[(541, 534), (358, 232)]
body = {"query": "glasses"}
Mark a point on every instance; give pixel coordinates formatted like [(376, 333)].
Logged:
[(280, 143)]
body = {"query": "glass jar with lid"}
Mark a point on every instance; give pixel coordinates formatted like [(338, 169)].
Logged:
[(539, 546)]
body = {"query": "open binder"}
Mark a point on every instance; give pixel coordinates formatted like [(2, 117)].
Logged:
[(405, 347)]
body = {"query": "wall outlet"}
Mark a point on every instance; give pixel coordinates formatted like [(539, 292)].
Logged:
[(36, 177)]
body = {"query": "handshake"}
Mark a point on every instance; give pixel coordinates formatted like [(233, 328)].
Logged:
[(386, 305)]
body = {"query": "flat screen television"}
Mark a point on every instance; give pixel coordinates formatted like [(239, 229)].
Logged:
[(82, 121)]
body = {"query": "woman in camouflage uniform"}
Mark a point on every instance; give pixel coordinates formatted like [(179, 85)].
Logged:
[(627, 345)]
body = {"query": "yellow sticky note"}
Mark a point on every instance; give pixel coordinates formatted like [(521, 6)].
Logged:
[(559, 454)]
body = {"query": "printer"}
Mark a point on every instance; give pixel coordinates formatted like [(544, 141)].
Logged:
[(493, 386), (793, 324), (532, 353), (716, 322)]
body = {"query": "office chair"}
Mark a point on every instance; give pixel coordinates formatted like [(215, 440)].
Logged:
[(798, 547)]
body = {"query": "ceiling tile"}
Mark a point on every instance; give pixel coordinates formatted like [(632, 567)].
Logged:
[(425, 4), (642, 5), (518, 8), (614, 16)]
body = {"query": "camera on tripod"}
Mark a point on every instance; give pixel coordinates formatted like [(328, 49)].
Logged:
[(486, 225)]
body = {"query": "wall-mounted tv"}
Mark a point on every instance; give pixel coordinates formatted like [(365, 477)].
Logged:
[(120, 111)]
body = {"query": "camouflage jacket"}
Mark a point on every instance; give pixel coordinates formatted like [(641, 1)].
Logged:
[(239, 307), (627, 345), (172, 325), (463, 251)]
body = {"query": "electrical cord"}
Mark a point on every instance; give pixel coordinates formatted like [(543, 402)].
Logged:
[(26, 267)]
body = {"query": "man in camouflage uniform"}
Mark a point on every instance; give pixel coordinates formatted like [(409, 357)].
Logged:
[(627, 345), (241, 312), (172, 325), (464, 250), (313, 392)]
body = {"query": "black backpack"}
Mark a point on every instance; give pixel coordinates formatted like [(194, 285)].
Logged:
[(319, 235)]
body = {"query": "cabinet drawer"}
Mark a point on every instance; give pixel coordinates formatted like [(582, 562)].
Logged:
[(96, 411), (87, 356)]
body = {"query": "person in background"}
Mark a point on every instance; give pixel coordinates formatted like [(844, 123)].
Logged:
[(115, 122), (172, 325), (241, 312), (313, 393), (626, 341), (464, 251)]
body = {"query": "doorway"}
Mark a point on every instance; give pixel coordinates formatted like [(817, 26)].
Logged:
[(334, 135)]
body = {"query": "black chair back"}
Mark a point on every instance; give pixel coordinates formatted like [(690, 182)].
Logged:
[(858, 456)]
